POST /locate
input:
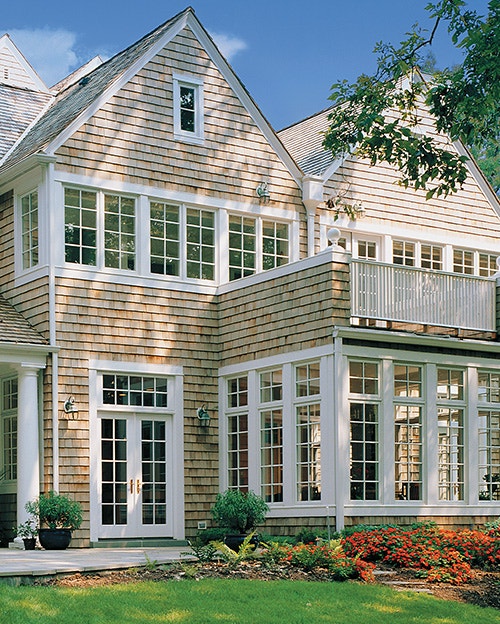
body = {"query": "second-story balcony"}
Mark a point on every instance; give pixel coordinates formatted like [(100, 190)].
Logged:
[(418, 296)]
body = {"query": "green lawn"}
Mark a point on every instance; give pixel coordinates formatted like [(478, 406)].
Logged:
[(224, 601)]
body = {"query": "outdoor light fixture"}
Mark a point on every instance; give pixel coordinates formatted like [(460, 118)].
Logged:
[(69, 405), (263, 191), (203, 415)]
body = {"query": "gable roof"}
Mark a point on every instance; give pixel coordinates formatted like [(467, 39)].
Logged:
[(304, 141), (73, 106), (16, 71), (15, 329)]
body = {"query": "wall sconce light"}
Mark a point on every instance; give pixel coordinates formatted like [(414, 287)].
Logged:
[(69, 405), (203, 415), (263, 191)]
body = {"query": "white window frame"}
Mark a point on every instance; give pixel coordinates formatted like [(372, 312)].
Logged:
[(31, 232), (100, 230), (197, 136)]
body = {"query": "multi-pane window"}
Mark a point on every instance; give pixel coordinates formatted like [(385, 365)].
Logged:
[(450, 394), (431, 257), (408, 432), (187, 99), (487, 264), (367, 250), (165, 238), (364, 430), (114, 442), (489, 435), (237, 433), (154, 472), (200, 244), (463, 261), (308, 432), (271, 436), (8, 422), (29, 229), (80, 226), (119, 232), (134, 390), (403, 252), (242, 246), (275, 244), (188, 108)]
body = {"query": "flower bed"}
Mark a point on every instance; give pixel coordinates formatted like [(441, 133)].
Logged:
[(435, 554)]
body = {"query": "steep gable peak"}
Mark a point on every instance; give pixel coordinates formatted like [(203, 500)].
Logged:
[(15, 71)]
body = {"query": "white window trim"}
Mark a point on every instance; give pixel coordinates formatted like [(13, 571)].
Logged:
[(198, 136)]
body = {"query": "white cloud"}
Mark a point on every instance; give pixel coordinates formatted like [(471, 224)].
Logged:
[(50, 52), (228, 45)]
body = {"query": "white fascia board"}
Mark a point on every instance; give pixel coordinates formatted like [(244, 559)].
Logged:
[(478, 176), (24, 166), (333, 168), (246, 99), (118, 84), (395, 337)]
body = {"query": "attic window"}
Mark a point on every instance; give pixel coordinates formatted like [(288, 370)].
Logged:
[(188, 108), (5, 73)]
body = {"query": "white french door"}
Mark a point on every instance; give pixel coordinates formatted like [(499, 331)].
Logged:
[(135, 493)]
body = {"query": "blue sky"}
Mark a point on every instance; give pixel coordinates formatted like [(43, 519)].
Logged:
[(286, 52)]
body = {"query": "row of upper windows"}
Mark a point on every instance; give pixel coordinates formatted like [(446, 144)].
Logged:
[(101, 230), (425, 256)]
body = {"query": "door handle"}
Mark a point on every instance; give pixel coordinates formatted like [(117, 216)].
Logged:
[(131, 486), (138, 486)]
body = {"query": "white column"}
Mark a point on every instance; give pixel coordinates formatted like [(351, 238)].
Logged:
[(28, 460)]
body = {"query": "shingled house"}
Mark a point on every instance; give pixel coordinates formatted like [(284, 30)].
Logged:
[(183, 310)]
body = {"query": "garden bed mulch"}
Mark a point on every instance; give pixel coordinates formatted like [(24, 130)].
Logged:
[(482, 590)]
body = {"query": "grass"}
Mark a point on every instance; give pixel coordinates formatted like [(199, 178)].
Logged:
[(224, 601)]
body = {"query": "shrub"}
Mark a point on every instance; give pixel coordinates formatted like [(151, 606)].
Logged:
[(239, 511), (56, 511)]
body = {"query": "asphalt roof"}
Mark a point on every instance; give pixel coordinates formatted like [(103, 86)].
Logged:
[(304, 141), (14, 328), (18, 109)]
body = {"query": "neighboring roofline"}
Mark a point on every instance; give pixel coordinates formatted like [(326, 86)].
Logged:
[(8, 43), (25, 165)]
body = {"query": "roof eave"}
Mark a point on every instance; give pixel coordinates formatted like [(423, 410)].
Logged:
[(9, 174)]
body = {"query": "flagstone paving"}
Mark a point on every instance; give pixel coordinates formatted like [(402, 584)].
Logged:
[(18, 566)]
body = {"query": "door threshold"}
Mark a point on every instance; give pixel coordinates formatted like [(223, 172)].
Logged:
[(139, 542)]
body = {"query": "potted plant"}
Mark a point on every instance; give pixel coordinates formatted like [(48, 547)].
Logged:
[(238, 512), (27, 531), (58, 515)]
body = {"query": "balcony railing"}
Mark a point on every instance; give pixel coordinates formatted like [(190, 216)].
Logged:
[(406, 294)]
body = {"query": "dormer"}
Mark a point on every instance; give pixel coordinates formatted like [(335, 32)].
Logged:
[(15, 71)]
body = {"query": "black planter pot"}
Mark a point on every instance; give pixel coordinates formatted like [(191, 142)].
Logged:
[(29, 543), (235, 541), (54, 539)]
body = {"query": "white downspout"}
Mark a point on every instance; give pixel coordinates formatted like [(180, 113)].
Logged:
[(48, 184), (312, 196)]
